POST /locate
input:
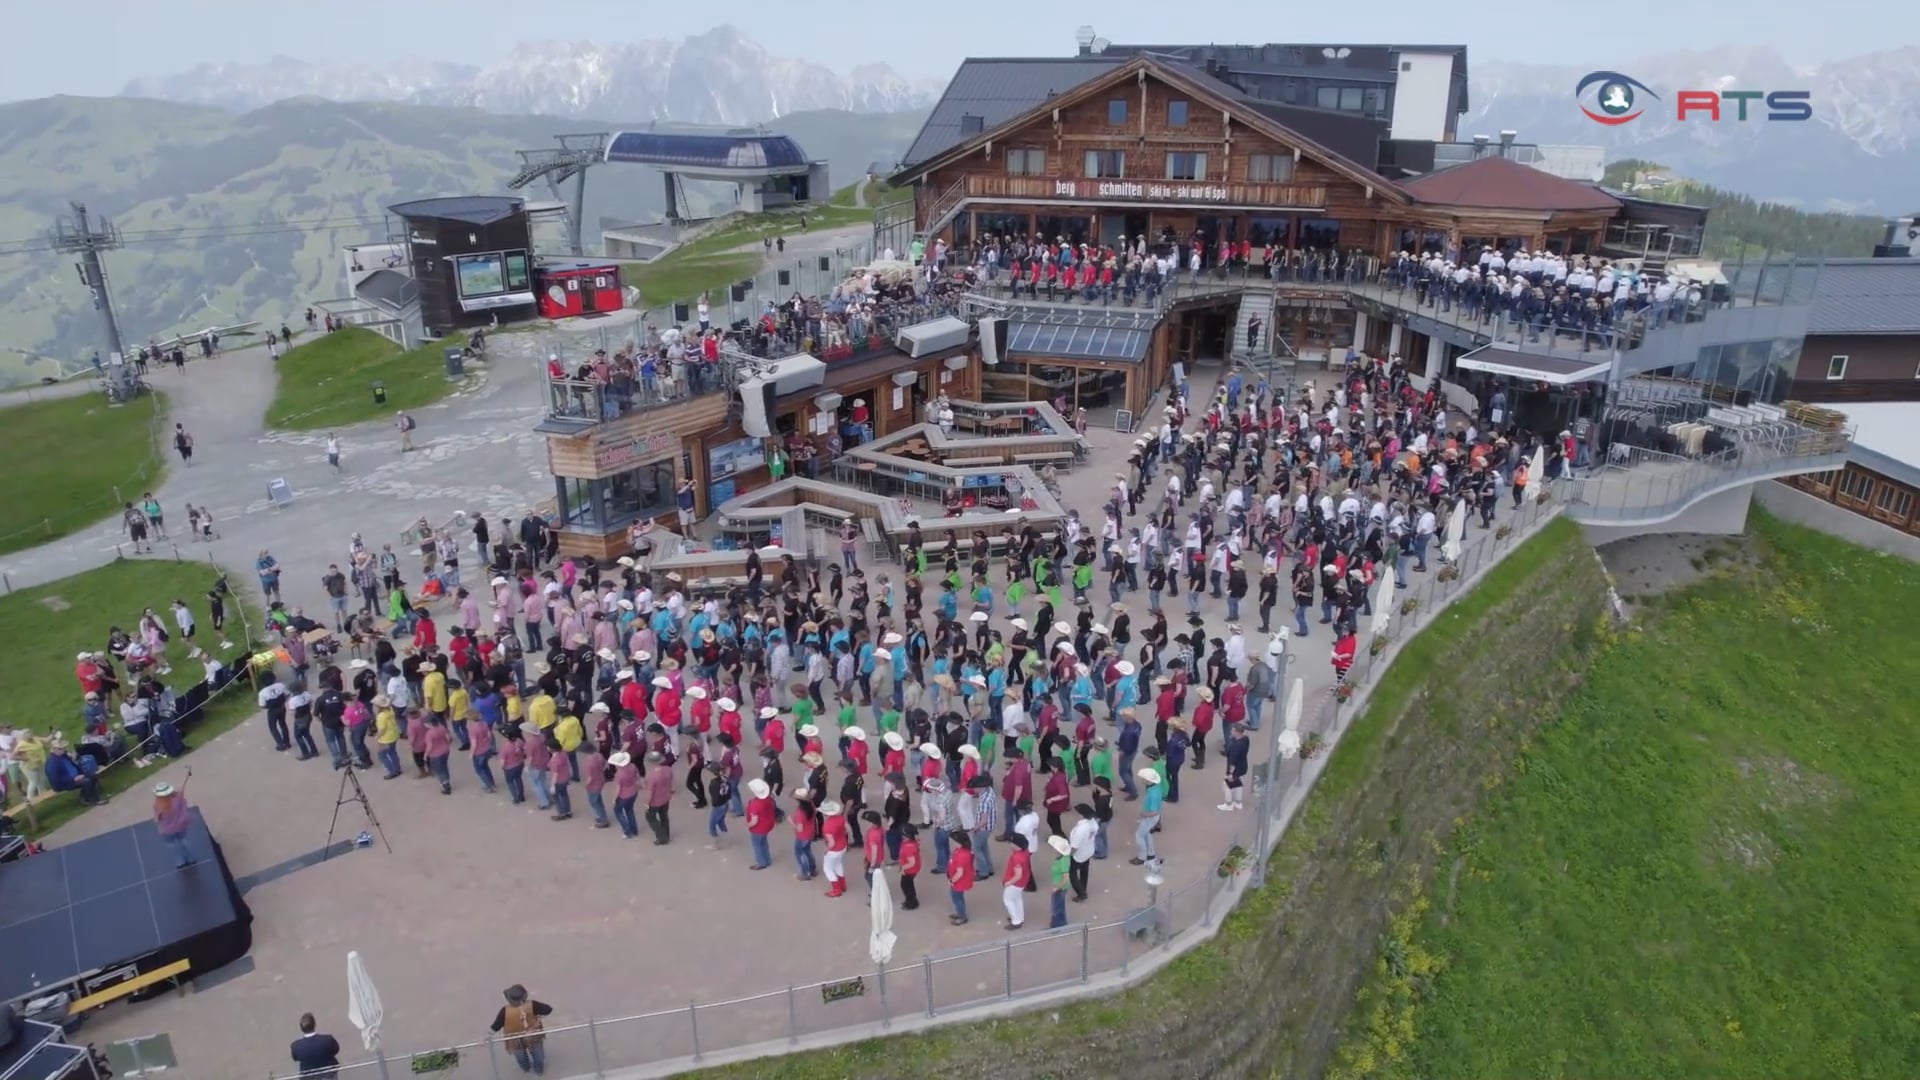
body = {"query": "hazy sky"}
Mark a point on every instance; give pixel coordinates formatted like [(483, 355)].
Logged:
[(127, 38)]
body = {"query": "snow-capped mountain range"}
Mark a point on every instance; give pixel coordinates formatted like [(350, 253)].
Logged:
[(1861, 150), (719, 77)]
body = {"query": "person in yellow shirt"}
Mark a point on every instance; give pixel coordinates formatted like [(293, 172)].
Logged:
[(459, 711), (541, 710), (516, 709), (569, 732), (433, 691), (386, 733)]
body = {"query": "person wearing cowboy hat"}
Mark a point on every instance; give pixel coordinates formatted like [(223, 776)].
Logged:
[(173, 817), (1060, 871), (833, 829), (1013, 890), (760, 817), (1150, 806)]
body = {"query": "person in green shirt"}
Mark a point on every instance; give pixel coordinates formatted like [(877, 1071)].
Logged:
[(802, 712), (1026, 741), (1100, 762), (889, 721), (1062, 865)]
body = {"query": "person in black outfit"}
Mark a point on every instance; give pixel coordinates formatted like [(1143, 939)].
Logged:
[(316, 1055)]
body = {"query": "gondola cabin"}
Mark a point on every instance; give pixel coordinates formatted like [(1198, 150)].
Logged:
[(567, 288)]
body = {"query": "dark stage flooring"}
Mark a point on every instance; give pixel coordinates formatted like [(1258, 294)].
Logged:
[(113, 899)]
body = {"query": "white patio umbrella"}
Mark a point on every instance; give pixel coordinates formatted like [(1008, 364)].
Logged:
[(1296, 704), (1456, 532), (363, 1007), (880, 940), (1382, 618), (1537, 475)]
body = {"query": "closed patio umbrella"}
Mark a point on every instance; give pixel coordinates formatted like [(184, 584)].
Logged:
[(363, 1007), (880, 940)]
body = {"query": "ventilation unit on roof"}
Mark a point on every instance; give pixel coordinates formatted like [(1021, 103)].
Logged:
[(1100, 45), (1084, 37)]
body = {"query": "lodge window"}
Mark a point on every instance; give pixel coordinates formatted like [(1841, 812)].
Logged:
[(1856, 489), (1026, 161), (1269, 168), (1892, 503), (1106, 164), (1837, 368), (1117, 111), (1185, 166), (1820, 483), (1344, 98), (1176, 114)]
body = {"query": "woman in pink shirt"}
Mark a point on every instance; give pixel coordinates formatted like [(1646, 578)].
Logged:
[(481, 735), (439, 744), (534, 608), (513, 766), (560, 772), (626, 791), (417, 740)]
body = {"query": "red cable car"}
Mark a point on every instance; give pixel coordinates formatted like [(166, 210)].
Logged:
[(566, 288)]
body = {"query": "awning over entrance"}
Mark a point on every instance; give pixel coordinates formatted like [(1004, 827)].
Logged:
[(1079, 342), (935, 335), (1556, 370)]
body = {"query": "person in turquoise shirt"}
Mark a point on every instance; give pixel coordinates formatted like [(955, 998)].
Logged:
[(949, 603), (996, 689), (1126, 691), (1150, 802), (1082, 689)]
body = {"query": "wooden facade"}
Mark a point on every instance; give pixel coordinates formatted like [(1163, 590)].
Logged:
[(1867, 493), (1857, 367)]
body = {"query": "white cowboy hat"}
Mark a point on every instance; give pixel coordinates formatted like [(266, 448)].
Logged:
[(1063, 627), (599, 706), (1018, 623), (727, 704), (608, 655), (768, 712), (970, 751), (1063, 646), (497, 582), (697, 693), (1151, 776), (978, 616), (82, 656), (1059, 844), (894, 741), (162, 789), (624, 604), (852, 731), (356, 665), (642, 656), (625, 560), (758, 788), (624, 674), (830, 809), (620, 759), (1124, 667), (930, 750), (892, 639), (662, 682), (977, 680), (809, 731), (542, 668), (1100, 628)]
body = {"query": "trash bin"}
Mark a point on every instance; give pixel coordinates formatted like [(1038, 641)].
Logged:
[(456, 361), (379, 393)]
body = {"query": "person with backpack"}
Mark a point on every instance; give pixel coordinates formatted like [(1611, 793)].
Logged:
[(405, 424), (519, 1019)]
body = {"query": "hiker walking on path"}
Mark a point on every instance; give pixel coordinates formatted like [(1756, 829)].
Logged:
[(405, 424), (183, 442)]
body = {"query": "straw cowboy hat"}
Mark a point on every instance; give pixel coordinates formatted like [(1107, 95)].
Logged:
[(620, 759), (626, 561), (943, 680), (810, 759), (1059, 844), (1100, 628), (894, 741), (381, 701), (927, 749), (1162, 680), (662, 682), (542, 668), (1206, 693), (758, 788), (1150, 775)]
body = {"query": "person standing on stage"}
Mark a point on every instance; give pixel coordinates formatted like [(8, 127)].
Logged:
[(172, 816)]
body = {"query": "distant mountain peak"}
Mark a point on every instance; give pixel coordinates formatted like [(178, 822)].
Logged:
[(719, 76)]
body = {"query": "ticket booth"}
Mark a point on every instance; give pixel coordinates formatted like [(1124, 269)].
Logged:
[(566, 288)]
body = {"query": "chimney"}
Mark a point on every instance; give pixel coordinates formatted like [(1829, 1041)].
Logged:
[(1506, 142), (1480, 146)]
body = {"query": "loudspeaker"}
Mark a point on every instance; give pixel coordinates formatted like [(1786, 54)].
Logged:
[(756, 408), (993, 340), (826, 264), (739, 292), (786, 278), (682, 313)]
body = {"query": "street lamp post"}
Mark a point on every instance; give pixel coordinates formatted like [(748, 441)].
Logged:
[(1267, 805)]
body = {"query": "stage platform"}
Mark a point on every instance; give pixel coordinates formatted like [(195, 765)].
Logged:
[(94, 913)]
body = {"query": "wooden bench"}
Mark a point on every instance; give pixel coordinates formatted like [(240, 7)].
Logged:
[(975, 463), (131, 986)]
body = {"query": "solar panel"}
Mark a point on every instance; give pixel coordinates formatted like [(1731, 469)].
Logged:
[(1093, 342)]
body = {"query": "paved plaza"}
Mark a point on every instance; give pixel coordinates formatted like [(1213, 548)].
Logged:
[(478, 894)]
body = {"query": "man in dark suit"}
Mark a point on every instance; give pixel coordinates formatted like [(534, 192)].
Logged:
[(317, 1055)]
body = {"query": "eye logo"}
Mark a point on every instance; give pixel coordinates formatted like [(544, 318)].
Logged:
[(1616, 97)]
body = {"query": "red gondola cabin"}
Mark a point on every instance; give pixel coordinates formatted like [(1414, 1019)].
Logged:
[(565, 288)]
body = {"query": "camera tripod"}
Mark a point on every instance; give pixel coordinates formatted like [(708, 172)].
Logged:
[(349, 778)]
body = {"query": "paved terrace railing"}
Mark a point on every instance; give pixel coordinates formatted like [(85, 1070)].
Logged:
[(1031, 970), (1651, 487)]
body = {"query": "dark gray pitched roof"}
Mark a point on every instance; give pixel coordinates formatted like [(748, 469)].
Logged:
[(388, 288), (996, 91), (473, 209), (1866, 296)]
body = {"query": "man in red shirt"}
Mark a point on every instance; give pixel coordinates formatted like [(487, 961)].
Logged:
[(960, 877), (88, 673), (425, 634), (833, 827), (759, 821)]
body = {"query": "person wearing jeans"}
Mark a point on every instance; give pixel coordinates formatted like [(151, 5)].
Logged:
[(626, 791), (173, 817), (520, 1021), (1149, 817), (759, 822), (481, 737)]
